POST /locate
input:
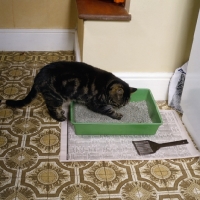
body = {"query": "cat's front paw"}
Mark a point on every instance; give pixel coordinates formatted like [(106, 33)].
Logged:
[(61, 119), (117, 115), (58, 116)]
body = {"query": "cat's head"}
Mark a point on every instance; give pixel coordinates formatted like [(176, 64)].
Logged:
[(119, 94)]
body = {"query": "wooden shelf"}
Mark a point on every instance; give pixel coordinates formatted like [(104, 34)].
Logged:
[(104, 10)]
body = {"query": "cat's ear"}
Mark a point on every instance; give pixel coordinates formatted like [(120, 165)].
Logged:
[(133, 90)]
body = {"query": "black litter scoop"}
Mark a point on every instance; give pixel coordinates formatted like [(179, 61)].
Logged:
[(148, 147)]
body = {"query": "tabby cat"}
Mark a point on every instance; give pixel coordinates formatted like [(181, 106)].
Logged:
[(63, 81)]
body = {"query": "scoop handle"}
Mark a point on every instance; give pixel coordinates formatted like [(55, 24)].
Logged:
[(167, 144)]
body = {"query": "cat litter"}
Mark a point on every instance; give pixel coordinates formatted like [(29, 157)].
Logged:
[(140, 117), (133, 112)]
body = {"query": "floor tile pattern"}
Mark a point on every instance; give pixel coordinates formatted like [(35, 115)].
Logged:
[(30, 145)]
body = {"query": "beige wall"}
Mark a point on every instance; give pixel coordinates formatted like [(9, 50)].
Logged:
[(157, 39), (80, 32), (38, 14)]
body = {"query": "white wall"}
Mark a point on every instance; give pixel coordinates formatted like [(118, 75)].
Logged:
[(190, 100)]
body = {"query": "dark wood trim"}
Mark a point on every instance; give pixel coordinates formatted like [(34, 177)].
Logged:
[(104, 10)]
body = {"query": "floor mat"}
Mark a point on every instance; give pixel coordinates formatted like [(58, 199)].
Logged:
[(88, 148)]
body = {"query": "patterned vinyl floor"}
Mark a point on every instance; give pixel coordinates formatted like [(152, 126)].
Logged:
[(30, 146)]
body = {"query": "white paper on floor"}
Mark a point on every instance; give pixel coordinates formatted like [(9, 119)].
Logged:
[(103, 147)]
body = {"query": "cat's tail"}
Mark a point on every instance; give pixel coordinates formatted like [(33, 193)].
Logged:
[(20, 103)]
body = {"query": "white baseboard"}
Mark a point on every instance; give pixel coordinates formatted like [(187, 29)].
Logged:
[(37, 39), (158, 83)]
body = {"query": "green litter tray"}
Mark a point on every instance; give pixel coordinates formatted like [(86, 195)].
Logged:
[(122, 128)]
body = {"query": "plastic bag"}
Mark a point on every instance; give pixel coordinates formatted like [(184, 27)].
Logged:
[(176, 87)]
